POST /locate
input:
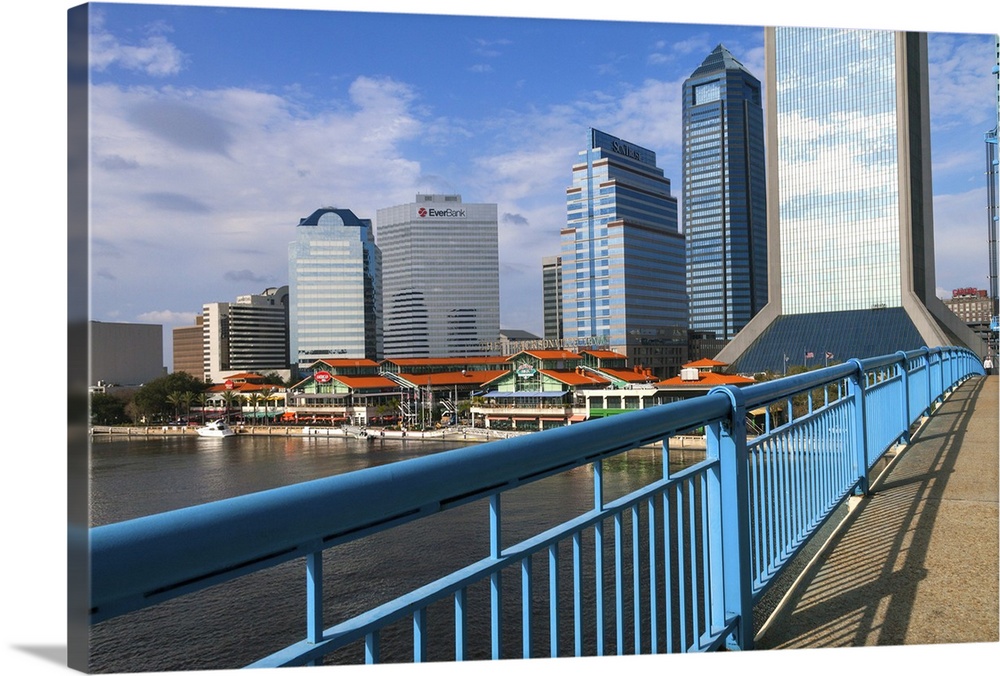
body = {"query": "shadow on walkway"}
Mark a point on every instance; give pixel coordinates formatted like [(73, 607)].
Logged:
[(917, 561)]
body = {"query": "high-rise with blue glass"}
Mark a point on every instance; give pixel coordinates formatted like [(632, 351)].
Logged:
[(335, 287), (623, 257), (725, 217), (849, 203)]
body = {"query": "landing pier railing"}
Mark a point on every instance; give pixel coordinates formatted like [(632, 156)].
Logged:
[(674, 566)]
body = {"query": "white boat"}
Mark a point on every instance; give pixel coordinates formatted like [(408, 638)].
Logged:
[(216, 428)]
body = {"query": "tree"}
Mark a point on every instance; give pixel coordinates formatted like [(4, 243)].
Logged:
[(176, 400), (254, 400), (151, 399), (273, 378), (187, 397), (228, 399), (107, 409), (265, 396), (201, 399)]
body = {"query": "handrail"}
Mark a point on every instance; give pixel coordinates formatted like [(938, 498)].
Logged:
[(736, 497)]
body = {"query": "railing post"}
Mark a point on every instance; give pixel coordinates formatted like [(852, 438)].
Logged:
[(495, 591), (729, 505), (937, 368), (904, 438), (599, 557), (856, 391), (314, 597)]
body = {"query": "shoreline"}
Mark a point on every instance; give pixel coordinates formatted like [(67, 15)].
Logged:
[(465, 434)]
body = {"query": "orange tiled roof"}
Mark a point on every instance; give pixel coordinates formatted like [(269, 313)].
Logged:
[(347, 362), (628, 375), (366, 382), (706, 379), (704, 363), (445, 361), (576, 379), (242, 388), (453, 377)]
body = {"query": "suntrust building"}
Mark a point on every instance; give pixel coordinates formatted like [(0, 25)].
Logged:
[(440, 277), (623, 257)]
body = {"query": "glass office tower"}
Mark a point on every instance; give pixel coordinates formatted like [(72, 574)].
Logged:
[(850, 227), (725, 217), (623, 257), (334, 284), (440, 278)]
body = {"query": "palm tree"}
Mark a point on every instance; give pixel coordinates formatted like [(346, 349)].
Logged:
[(175, 399), (265, 396), (228, 399), (187, 398), (202, 400), (254, 399)]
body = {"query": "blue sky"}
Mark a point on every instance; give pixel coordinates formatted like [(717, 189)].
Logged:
[(214, 129)]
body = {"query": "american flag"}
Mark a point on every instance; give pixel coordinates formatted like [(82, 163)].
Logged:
[(809, 355)]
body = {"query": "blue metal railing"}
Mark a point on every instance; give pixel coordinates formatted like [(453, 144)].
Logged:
[(690, 552)]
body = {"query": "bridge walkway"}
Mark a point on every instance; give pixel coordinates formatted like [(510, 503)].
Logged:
[(916, 562)]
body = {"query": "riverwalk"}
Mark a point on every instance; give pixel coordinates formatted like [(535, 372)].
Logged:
[(915, 562), (462, 434)]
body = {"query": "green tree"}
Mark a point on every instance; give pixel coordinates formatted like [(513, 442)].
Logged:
[(107, 409), (273, 378), (151, 400), (201, 398), (229, 398), (176, 400), (187, 398)]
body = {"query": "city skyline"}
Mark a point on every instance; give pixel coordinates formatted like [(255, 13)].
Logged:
[(216, 149)]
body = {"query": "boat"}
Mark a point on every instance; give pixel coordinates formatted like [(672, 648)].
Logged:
[(216, 428)]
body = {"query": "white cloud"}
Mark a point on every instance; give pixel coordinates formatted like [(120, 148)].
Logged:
[(168, 317), (191, 184), (960, 240), (155, 55)]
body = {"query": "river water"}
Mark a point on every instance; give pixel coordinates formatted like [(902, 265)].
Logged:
[(236, 623)]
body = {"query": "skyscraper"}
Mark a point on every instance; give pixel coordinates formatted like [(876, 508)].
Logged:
[(250, 335), (725, 218), (441, 277), (850, 228), (335, 287), (552, 297), (623, 257)]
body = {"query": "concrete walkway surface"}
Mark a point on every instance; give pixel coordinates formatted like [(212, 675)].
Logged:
[(916, 562)]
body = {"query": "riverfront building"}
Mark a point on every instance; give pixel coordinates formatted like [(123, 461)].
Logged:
[(250, 335), (125, 354), (623, 257), (440, 277), (189, 348), (552, 312), (850, 228), (725, 218), (335, 289)]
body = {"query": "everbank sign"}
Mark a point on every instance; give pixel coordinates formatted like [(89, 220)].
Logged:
[(431, 212)]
